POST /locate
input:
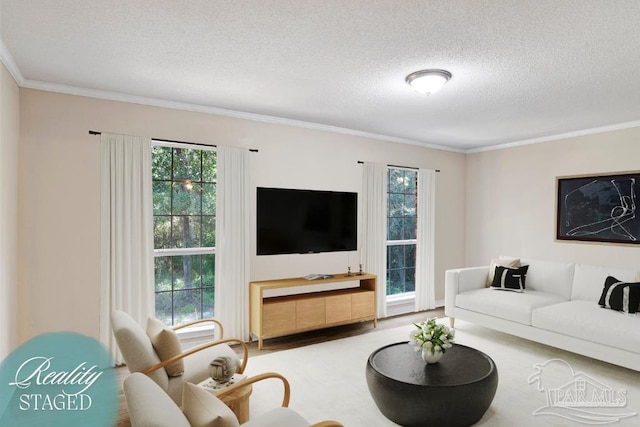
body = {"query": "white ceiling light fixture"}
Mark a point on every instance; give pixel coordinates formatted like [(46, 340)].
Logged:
[(428, 81)]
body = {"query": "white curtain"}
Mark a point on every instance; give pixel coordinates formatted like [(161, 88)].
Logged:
[(232, 242), (126, 233), (425, 296), (374, 228)]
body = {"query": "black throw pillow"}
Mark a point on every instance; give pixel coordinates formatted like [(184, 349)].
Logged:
[(510, 279), (620, 296)]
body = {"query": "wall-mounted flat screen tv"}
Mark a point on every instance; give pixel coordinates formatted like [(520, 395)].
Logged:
[(305, 221)]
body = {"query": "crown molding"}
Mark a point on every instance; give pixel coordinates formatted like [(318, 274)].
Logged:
[(565, 135), (115, 96), (11, 65)]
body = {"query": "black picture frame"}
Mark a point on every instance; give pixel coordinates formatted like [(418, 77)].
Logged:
[(599, 208)]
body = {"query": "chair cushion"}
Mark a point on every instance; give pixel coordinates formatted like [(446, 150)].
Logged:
[(196, 368), (279, 417), (203, 409), (167, 344), (136, 347), (196, 365), (149, 405)]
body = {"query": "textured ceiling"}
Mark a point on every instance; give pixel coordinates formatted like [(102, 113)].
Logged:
[(522, 70)]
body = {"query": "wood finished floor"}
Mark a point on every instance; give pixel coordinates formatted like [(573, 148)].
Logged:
[(299, 340)]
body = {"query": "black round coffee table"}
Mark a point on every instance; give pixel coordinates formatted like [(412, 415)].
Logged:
[(456, 391)]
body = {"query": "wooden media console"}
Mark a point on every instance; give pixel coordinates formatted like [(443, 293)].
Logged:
[(274, 316)]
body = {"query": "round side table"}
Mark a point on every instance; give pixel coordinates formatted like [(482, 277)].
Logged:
[(456, 391), (237, 401)]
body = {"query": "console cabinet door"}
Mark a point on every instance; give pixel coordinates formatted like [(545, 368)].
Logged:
[(363, 305), (338, 308), (310, 313), (278, 318)]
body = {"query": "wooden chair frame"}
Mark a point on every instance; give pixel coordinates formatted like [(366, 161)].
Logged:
[(286, 394), (221, 340)]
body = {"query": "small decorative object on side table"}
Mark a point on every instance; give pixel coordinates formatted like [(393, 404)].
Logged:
[(222, 371), (432, 339), (222, 368)]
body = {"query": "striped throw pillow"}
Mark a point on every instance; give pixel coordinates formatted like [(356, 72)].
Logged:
[(620, 296)]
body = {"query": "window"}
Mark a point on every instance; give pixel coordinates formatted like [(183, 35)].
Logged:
[(401, 231), (184, 208)]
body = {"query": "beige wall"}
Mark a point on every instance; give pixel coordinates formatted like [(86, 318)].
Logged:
[(490, 203), (9, 128), (59, 187), (511, 204)]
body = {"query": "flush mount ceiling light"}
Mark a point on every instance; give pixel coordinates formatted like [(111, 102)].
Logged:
[(428, 81)]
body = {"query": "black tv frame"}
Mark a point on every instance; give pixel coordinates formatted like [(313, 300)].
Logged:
[(300, 221)]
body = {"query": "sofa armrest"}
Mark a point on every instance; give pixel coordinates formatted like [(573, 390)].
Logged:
[(462, 280)]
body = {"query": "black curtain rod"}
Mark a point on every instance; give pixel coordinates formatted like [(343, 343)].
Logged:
[(396, 166), (253, 150)]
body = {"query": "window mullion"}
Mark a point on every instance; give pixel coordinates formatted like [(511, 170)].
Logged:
[(184, 251), (401, 242)]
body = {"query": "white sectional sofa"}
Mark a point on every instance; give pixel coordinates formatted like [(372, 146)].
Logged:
[(559, 308)]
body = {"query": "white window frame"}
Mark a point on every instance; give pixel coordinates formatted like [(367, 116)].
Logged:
[(198, 331), (403, 302)]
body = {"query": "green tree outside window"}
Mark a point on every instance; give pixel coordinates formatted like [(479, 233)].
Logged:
[(401, 230)]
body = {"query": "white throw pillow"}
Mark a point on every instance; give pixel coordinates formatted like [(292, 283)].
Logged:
[(203, 409), (503, 261), (166, 343)]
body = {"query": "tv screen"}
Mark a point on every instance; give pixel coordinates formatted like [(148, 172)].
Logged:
[(305, 221)]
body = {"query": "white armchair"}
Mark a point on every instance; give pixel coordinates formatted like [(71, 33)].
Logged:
[(149, 406), (141, 356)]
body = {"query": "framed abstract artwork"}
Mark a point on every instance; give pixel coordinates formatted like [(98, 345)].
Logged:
[(599, 208)]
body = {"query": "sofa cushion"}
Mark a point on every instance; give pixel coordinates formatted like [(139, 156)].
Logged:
[(620, 296), (588, 321), (588, 280), (510, 279), (550, 276), (513, 306)]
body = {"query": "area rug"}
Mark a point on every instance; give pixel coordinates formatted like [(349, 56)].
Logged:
[(538, 385)]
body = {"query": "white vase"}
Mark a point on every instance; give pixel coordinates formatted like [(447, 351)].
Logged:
[(431, 357)]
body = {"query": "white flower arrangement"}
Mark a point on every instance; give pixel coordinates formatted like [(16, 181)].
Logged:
[(431, 336)]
